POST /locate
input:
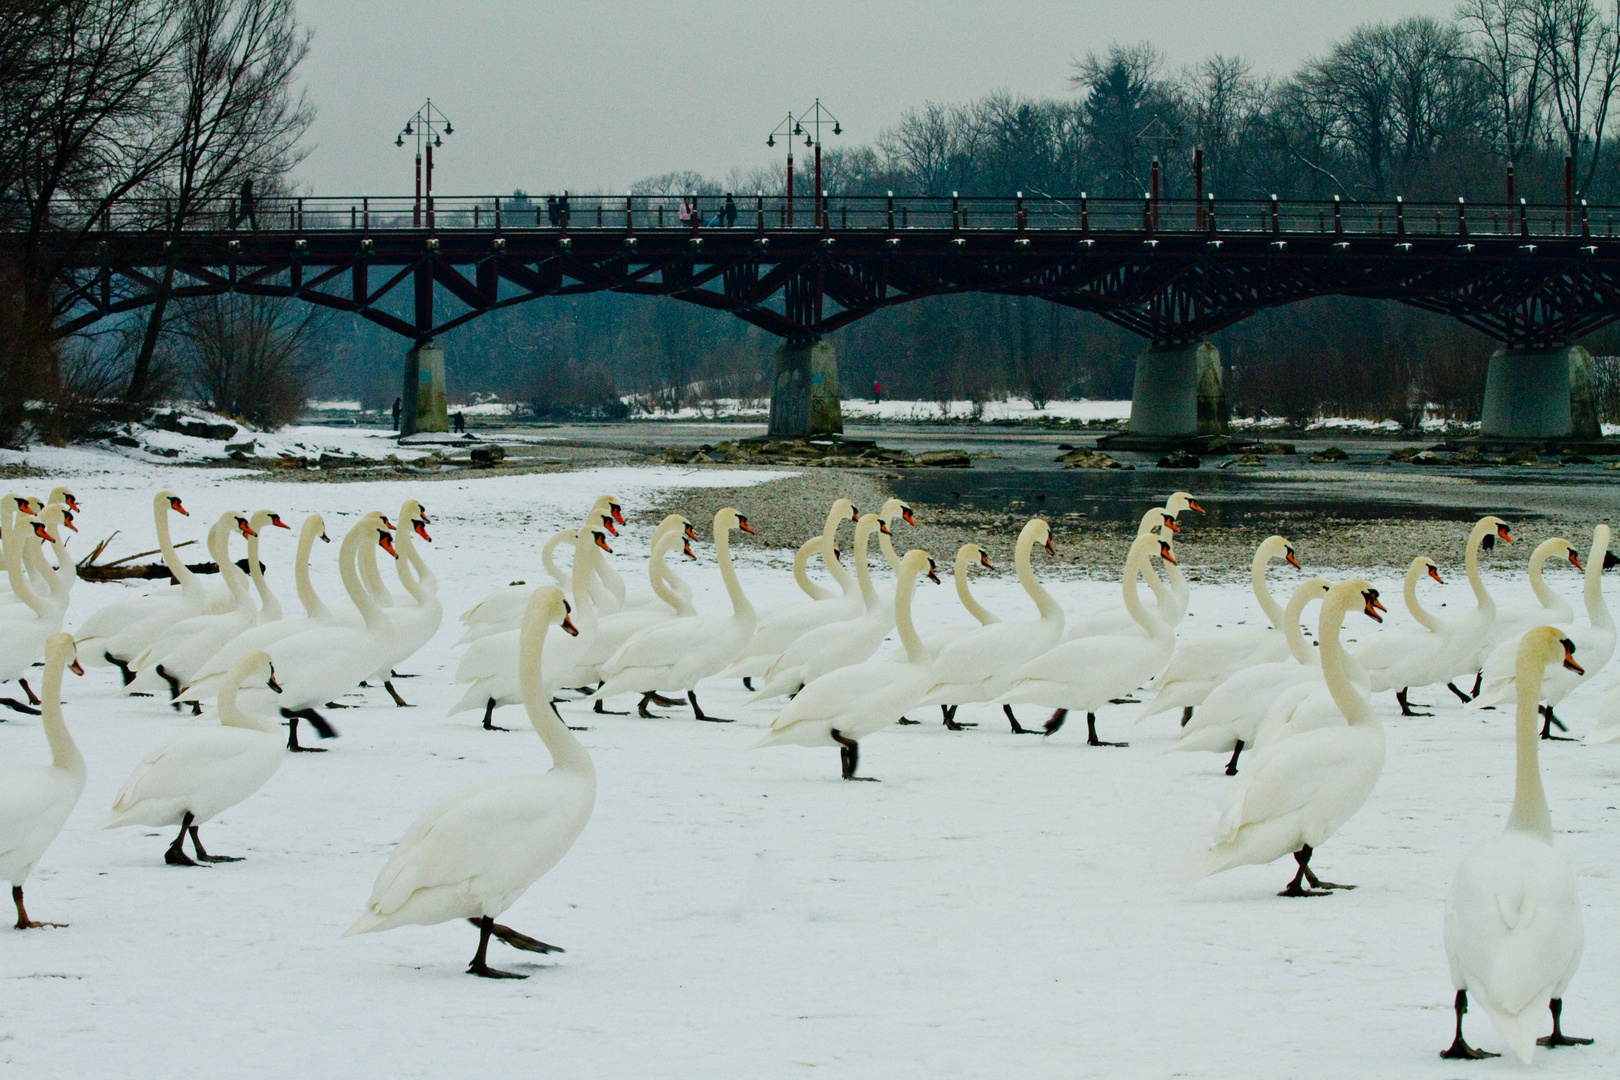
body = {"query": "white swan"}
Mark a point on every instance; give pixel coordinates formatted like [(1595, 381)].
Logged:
[(1200, 665), (935, 640), (781, 626), (13, 508), (502, 609), (1514, 933), (177, 654), (189, 780), (35, 800), (477, 849), (680, 654), (1595, 641), (1085, 673), (1468, 633), (23, 638), (612, 631), (801, 572), (1231, 714), (844, 706), (1294, 796), (51, 581), (119, 632), (979, 665), (1550, 608), (836, 644), (415, 623), (1310, 704), (1169, 602), (1402, 657), (325, 662)]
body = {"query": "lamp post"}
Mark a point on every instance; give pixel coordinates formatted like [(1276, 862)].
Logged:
[(815, 117), (788, 129), (428, 127)]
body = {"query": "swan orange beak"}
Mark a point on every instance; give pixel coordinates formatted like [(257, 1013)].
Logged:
[(618, 514), (25, 505), (1434, 572), (742, 523), (1502, 531), (1192, 504), (389, 525), (386, 542), (1372, 607), (67, 519), (247, 530), (688, 551), (905, 513), (883, 527), (423, 511), (607, 523), (1569, 657), (271, 682), (275, 519), (838, 555), (932, 572), (420, 526), (76, 667), (1164, 553), (1292, 560), (40, 531), (1050, 550), (569, 627), (72, 503), (984, 559), (1170, 523), (601, 542), (1575, 559), (324, 538), (854, 513), (174, 504), (691, 533)]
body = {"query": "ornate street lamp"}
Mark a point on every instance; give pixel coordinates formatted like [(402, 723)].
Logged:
[(428, 127)]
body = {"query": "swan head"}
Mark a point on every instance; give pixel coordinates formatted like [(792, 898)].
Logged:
[(1489, 529), (385, 540), (1546, 645), (59, 648), (838, 555), (842, 509), (971, 553), (729, 518), (410, 510), (315, 521), (172, 501), (917, 561), (686, 549), (894, 508), (419, 527), (263, 519), (1370, 604), (600, 540), (1276, 547), (549, 607), (56, 514), (933, 571), (1165, 553), (1433, 570), (240, 520), (1039, 532), (63, 495), (1180, 502)]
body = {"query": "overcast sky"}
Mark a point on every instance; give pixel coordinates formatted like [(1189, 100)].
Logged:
[(593, 96)]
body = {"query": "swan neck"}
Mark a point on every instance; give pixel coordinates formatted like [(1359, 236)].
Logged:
[(14, 546), (1482, 598), (548, 560), (567, 754), (658, 570), (1530, 813), (801, 575), (890, 556), (588, 560), (1298, 647), (1597, 611), (740, 607), (307, 596), (372, 577), (965, 594), (863, 572), (1421, 614), (413, 573), (1262, 592), (1335, 662), (904, 590), (1049, 608), (1139, 561), (64, 751), (269, 605), (1538, 585), (171, 558), (348, 561)]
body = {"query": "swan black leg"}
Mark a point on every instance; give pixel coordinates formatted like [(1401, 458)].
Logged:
[(949, 713), (316, 721), (174, 683), (388, 685), (33, 698), (660, 699), (203, 856), (1017, 728), (748, 682), (1406, 706), (1297, 887), (1464, 698), (489, 714), (697, 711), (1548, 719), (25, 923), (518, 940), (849, 754), (1231, 766), (1558, 1038), (123, 668), (1479, 681), (1460, 1048), (1091, 733), (16, 706), (176, 855), (1186, 714), (601, 709), (1055, 721), (486, 927), (641, 707)]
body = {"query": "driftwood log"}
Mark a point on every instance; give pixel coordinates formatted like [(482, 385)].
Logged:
[(127, 569)]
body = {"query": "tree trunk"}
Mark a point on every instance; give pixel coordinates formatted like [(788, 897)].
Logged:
[(140, 377)]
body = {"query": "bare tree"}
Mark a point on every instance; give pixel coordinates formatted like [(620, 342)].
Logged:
[(1511, 60), (1582, 50), (251, 356)]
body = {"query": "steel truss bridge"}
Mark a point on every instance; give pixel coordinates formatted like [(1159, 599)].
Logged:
[(1172, 271)]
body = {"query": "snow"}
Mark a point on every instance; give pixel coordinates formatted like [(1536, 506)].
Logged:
[(998, 906)]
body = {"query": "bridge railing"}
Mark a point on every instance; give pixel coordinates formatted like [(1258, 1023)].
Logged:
[(964, 214)]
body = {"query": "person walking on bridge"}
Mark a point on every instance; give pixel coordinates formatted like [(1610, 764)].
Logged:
[(730, 212), (246, 208)]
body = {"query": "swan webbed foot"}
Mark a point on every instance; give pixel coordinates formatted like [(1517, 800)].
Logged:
[(1127, 700), (25, 923), (641, 707), (1558, 1038), (602, 710), (1055, 721), (203, 856), (1231, 766), (1464, 698), (1548, 719), (176, 855), (948, 712), (1091, 733), (849, 756), (388, 684), (907, 723), (479, 966), (489, 712), (1406, 706), (1297, 887), (1017, 728), (1459, 1048), (16, 706), (697, 710)]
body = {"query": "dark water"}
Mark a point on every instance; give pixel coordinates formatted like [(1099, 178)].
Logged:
[(1120, 495)]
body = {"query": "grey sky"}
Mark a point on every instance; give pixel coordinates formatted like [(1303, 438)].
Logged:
[(593, 96)]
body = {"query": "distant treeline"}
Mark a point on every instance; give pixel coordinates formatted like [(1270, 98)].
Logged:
[(1423, 108)]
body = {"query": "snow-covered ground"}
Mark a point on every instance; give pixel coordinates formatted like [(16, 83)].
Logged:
[(998, 906)]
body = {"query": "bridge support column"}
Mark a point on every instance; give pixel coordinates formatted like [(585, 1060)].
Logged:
[(1178, 392), (804, 400), (424, 408), (1539, 394)]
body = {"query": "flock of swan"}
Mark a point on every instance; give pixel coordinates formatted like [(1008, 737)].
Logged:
[(1296, 716)]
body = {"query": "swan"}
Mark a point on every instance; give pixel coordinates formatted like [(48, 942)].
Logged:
[(1200, 665), (937, 639), (1309, 704), (316, 613), (44, 577), (612, 631), (680, 654), (189, 780), (414, 624), (52, 583), (783, 625), (837, 644), (177, 655), (1550, 609), (1595, 642), (269, 606), (12, 508), (978, 666), (122, 630), (324, 662), (490, 664), (1230, 715), (1513, 927), (23, 639), (501, 610), (35, 800), (1468, 632), (1402, 657), (801, 574), (1085, 673), (1169, 602), (844, 706), (477, 849), (1295, 795)]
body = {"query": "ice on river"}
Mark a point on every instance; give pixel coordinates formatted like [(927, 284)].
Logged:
[(998, 906)]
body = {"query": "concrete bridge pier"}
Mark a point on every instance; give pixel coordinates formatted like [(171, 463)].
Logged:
[(804, 400), (1178, 393), (424, 408), (1543, 393)]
